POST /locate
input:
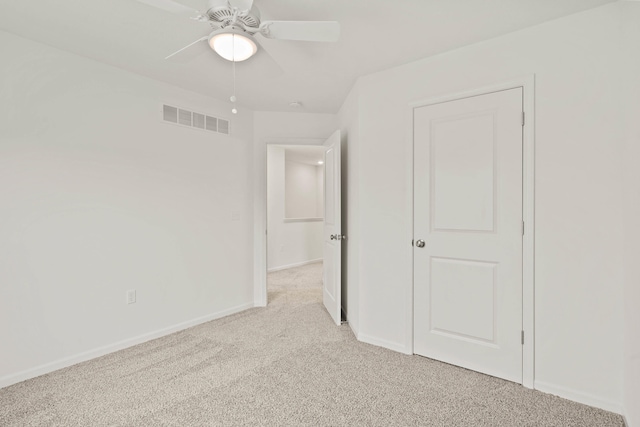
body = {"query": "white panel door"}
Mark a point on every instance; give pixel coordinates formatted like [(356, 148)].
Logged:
[(468, 232), (332, 249)]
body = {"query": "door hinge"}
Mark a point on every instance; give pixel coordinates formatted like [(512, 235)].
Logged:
[(523, 228), (523, 118), (522, 337)]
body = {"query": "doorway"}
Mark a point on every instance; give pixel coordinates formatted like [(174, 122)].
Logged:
[(332, 237), (295, 215)]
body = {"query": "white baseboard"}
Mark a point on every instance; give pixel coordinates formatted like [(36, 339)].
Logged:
[(579, 396), (400, 348), (101, 351), (353, 326), (297, 264)]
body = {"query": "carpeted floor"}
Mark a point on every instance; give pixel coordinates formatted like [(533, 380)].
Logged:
[(283, 365)]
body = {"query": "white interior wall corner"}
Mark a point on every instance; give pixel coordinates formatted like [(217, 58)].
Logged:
[(100, 196), (578, 111), (631, 16)]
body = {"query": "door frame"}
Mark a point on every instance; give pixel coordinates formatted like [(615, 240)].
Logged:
[(260, 213), (527, 83)]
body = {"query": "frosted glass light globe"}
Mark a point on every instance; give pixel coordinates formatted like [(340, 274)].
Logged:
[(233, 47)]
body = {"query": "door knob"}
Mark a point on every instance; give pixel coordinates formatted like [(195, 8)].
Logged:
[(420, 243)]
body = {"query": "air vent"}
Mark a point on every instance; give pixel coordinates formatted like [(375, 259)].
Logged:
[(191, 119), (223, 126), (212, 124), (169, 114), (184, 117), (198, 120)]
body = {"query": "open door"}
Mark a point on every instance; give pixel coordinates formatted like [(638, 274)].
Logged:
[(332, 246)]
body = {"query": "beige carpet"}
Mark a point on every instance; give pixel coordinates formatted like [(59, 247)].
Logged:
[(284, 365)]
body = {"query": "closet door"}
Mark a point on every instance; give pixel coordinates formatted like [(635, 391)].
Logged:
[(468, 233)]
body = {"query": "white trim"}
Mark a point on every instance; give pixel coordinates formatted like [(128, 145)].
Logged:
[(528, 240), (120, 345), (399, 347), (297, 264), (353, 327), (527, 83), (579, 396), (409, 239)]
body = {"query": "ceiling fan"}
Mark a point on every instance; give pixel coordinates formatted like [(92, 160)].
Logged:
[(236, 22)]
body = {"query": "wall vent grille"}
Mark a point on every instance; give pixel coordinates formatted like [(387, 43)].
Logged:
[(182, 117)]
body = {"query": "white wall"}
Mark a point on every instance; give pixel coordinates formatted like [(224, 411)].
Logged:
[(302, 194), (98, 196), (278, 128), (288, 243), (580, 98), (631, 167), (319, 191)]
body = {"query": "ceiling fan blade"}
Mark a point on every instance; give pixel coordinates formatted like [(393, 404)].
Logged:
[(311, 31), (241, 5), (172, 7), (190, 51)]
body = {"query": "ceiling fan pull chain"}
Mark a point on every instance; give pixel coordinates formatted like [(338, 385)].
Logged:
[(234, 110)]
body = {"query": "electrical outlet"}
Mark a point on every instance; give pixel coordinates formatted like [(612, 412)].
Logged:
[(131, 296)]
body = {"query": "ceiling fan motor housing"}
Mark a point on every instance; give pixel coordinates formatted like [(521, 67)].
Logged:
[(220, 15)]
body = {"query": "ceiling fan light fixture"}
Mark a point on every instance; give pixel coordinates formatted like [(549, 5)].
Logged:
[(233, 46)]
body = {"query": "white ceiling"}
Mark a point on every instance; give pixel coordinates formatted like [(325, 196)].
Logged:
[(375, 35)]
